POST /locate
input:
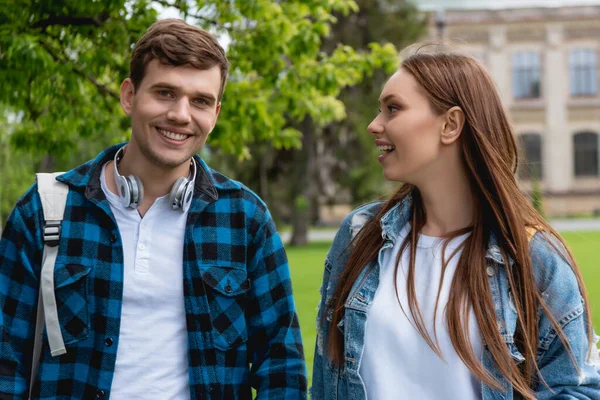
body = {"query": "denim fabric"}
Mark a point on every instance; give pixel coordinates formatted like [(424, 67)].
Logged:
[(553, 275)]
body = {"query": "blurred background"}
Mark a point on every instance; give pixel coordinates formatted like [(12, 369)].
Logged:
[(303, 87)]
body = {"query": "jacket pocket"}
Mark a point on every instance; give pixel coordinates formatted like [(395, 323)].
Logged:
[(226, 288), (71, 292)]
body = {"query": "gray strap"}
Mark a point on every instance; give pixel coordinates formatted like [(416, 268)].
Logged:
[(55, 339), (53, 195)]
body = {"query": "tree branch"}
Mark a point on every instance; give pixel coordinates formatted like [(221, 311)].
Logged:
[(65, 20), (60, 59)]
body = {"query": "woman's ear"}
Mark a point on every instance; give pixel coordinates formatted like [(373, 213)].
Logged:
[(454, 121)]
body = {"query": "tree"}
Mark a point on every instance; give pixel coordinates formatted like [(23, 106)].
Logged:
[(338, 161), (60, 68), (62, 63), (357, 173), (16, 168)]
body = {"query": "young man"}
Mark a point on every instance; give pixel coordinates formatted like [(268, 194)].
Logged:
[(171, 281)]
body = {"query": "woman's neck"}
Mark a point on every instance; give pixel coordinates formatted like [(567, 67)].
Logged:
[(448, 202)]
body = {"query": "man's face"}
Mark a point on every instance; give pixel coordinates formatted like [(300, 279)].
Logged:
[(172, 112)]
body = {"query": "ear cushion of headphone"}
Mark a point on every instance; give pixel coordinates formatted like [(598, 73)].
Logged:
[(177, 192), (137, 191), (124, 189), (188, 193)]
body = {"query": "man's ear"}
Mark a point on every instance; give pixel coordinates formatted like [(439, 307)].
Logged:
[(454, 121), (127, 92), (217, 111)]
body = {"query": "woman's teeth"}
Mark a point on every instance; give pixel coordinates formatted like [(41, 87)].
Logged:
[(386, 149)]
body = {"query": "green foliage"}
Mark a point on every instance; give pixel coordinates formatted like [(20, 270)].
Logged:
[(342, 153), (358, 173), (302, 203), (280, 73), (62, 61), (16, 170), (61, 66)]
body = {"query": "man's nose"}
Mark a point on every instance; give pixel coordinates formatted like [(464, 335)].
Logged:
[(179, 111)]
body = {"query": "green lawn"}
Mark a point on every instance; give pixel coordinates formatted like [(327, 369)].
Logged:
[(307, 271)]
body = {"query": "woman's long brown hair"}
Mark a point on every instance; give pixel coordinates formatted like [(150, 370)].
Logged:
[(489, 152)]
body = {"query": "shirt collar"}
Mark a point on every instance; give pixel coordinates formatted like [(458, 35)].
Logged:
[(399, 215)]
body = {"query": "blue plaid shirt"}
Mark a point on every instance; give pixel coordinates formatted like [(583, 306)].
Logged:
[(241, 321)]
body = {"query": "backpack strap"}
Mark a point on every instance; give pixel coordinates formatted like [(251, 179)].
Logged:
[(53, 195)]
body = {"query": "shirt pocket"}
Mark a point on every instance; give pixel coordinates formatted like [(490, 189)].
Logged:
[(71, 292), (226, 289)]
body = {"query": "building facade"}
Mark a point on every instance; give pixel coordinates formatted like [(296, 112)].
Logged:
[(545, 64)]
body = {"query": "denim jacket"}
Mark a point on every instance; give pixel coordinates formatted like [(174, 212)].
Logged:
[(553, 276)]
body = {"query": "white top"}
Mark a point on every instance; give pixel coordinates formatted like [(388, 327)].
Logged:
[(152, 359), (397, 363)]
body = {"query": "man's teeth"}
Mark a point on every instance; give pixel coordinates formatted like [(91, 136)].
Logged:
[(172, 135), (386, 148)]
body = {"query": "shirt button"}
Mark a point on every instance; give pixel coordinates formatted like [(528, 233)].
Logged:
[(100, 394), (228, 289), (490, 271), (113, 238), (108, 342)]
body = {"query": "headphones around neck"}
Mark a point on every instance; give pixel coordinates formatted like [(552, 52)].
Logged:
[(131, 190)]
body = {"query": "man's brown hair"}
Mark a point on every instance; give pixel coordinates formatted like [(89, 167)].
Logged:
[(174, 42)]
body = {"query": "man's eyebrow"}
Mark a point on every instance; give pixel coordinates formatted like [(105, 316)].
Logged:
[(206, 96)]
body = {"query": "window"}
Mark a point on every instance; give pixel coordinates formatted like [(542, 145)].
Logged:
[(526, 75), (583, 72), (586, 153), (530, 156)]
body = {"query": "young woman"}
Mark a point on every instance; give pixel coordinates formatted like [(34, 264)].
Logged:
[(454, 288)]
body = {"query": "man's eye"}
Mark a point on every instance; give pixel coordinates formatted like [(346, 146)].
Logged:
[(164, 93), (200, 102)]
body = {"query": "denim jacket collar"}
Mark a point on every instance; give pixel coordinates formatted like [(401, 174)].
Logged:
[(398, 216)]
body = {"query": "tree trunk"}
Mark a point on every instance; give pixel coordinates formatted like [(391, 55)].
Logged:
[(47, 163), (302, 189), (264, 181)]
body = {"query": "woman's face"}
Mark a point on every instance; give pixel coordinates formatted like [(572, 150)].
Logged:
[(407, 131)]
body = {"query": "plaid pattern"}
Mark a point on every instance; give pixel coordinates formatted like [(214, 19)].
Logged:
[(242, 326)]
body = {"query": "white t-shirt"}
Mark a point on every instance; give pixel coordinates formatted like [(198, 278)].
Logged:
[(152, 359), (397, 363)]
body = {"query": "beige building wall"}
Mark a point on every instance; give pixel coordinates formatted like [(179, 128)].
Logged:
[(493, 36)]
